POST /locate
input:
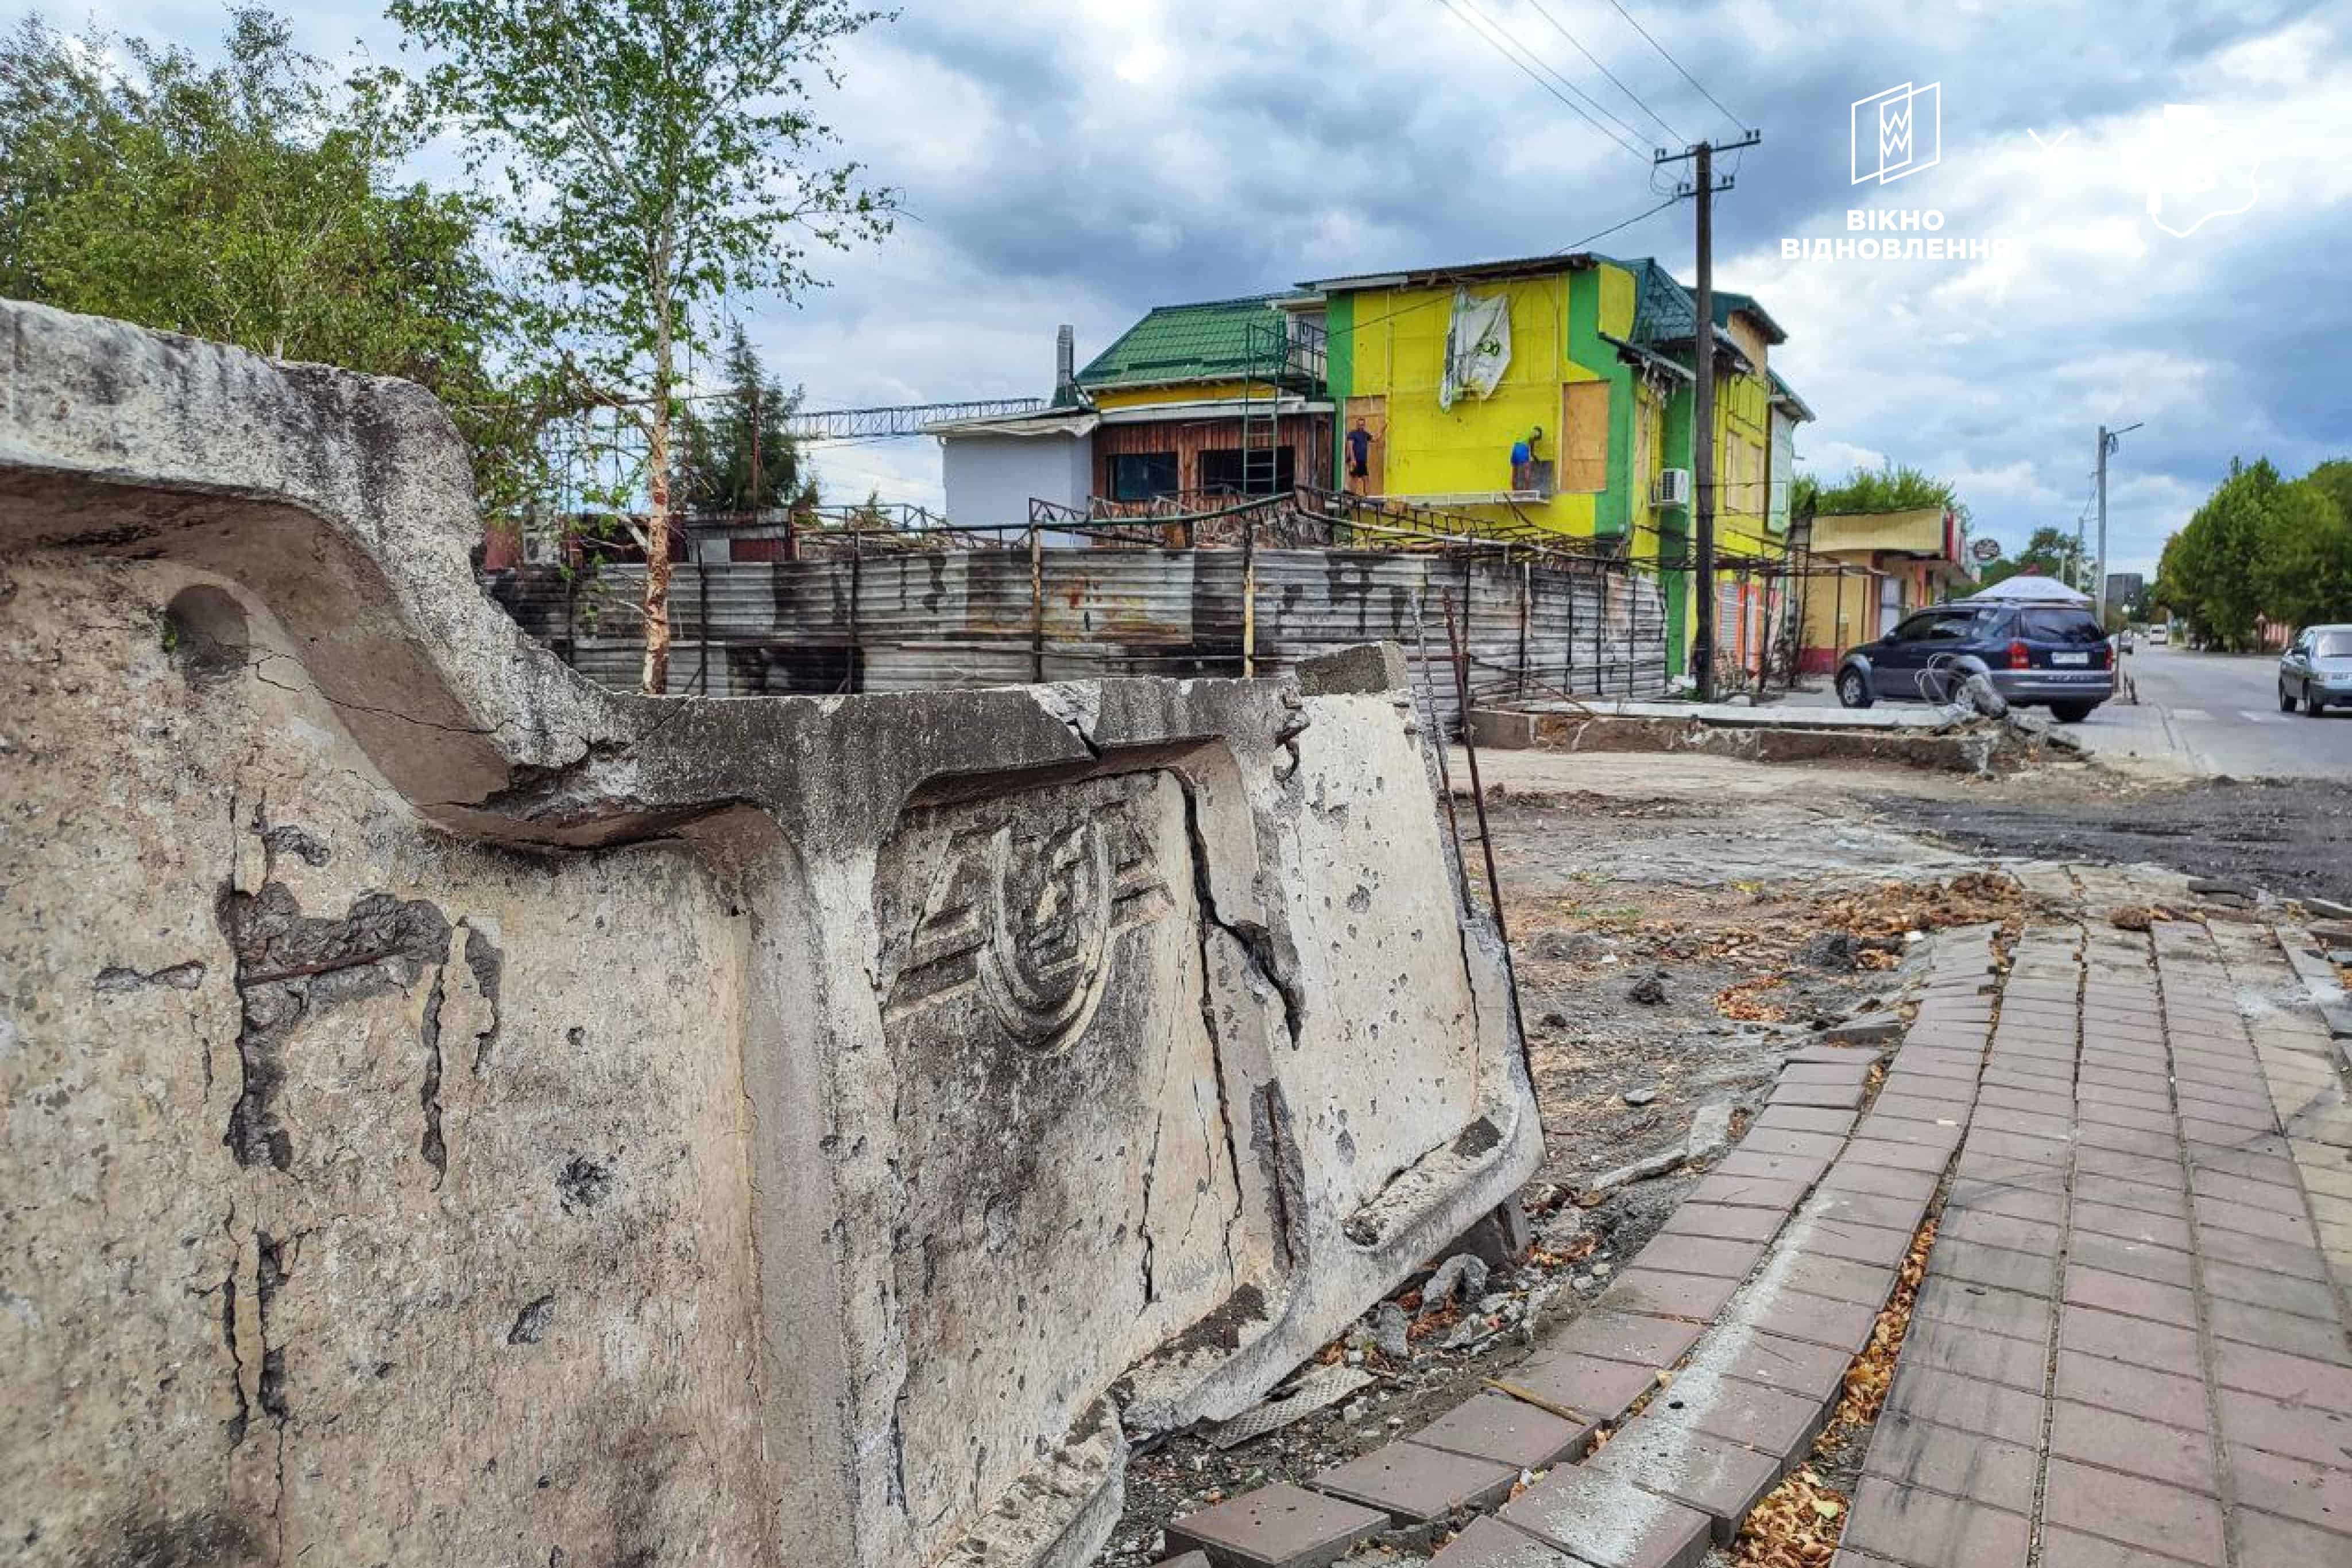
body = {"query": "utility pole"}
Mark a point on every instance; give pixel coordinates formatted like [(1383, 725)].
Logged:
[(2108, 441), (1702, 189)]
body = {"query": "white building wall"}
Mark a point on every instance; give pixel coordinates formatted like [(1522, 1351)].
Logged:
[(991, 478)]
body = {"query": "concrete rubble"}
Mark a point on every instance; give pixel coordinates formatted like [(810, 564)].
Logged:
[(776, 1130)]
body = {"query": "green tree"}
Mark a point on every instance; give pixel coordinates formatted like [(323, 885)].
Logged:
[(736, 453), (1887, 489), (2306, 557), (2051, 553), (256, 202), (2209, 572), (659, 156)]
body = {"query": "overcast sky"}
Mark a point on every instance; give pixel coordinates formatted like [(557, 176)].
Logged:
[(1081, 161)]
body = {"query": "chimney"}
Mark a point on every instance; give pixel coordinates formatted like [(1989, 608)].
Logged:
[(1065, 368)]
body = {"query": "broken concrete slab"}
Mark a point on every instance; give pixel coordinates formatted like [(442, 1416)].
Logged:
[(986, 1052)]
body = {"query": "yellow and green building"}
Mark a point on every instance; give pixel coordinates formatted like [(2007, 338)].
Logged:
[(1600, 356)]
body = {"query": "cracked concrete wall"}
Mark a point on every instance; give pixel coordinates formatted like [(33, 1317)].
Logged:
[(374, 1196), (460, 1115)]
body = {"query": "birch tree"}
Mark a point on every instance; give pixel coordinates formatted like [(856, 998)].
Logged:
[(657, 157)]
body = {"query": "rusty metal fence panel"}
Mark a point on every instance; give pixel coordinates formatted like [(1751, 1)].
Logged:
[(921, 620)]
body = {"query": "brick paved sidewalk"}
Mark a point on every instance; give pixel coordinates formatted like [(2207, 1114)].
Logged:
[(2128, 1352)]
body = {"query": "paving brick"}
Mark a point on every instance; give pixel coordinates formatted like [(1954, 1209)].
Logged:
[(1657, 1293), (2220, 1215), (1720, 1478), (2136, 1341), (2136, 1298), (2142, 1391), (1609, 1523), (1888, 1211), (1508, 1431), (1994, 1358), (1788, 1141), (1853, 1071), (1985, 1308), (1413, 1484), (1873, 1244), (2268, 1287), (1970, 1404), (1279, 1526), (1919, 1100), (2294, 1486), (1805, 1119), (1700, 1255), (2322, 1340), (2303, 1260), (1589, 1384), (2265, 1538), (2132, 1225), (2156, 1121), (2043, 1206), (1837, 1096), (1785, 1167), (1489, 1543), (2165, 1144), (1723, 1222), (1791, 1365), (2070, 1548), (1915, 1453), (1624, 1336), (1842, 1326), (2154, 1515), (1749, 1191), (1835, 1054), (2162, 1171), (2032, 1273), (1925, 1530), (2119, 1192), (1780, 1424), (2271, 1197), (1865, 1284), (2137, 1258), (2258, 1370), (2279, 1426), (1881, 1181), (2131, 1444), (1929, 1158)]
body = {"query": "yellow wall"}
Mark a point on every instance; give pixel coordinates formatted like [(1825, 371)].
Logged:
[(1399, 352), (1180, 391), (1743, 436)]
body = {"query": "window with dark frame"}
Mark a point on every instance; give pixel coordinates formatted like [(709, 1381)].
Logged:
[(1143, 475), (1220, 470)]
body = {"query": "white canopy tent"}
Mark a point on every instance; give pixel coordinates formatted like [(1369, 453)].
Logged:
[(2029, 588)]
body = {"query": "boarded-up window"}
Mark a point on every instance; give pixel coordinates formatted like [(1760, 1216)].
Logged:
[(1584, 436)]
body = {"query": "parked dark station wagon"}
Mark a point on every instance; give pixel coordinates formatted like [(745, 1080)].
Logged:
[(2037, 655)]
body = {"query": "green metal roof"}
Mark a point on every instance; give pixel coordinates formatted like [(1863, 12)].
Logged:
[(1725, 302), (1666, 315), (1207, 341)]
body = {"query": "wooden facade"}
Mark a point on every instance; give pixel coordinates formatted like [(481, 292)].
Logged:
[(1196, 443)]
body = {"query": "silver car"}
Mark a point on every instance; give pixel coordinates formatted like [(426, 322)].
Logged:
[(2316, 669)]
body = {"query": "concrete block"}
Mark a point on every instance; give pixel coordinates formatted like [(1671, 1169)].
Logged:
[(1364, 669), (1606, 1520), (1490, 1544), (1508, 1431), (982, 1050)]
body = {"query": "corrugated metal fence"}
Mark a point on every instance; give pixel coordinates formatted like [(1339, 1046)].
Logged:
[(920, 620)]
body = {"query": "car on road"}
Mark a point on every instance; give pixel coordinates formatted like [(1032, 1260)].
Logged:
[(2158, 636), (2035, 654), (2316, 670)]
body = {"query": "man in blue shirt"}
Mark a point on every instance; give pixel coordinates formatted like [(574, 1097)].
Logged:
[(1523, 463)]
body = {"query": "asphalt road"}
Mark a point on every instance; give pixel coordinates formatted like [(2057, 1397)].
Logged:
[(2217, 715)]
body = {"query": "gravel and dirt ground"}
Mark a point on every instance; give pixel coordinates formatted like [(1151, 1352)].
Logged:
[(1678, 925)]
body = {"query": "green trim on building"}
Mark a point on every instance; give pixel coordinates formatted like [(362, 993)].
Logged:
[(1612, 508), (1339, 373)]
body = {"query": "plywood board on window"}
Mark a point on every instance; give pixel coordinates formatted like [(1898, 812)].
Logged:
[(1584, 436)]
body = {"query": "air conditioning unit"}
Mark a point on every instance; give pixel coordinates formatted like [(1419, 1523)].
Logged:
[(1674, 488)]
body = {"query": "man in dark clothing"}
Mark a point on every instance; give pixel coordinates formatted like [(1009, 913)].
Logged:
[(1359, 456)]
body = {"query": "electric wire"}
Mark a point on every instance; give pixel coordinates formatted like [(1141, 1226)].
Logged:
[(1574, 43), (1505, 50), (1736, 122)]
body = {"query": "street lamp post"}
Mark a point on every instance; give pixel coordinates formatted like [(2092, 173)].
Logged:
[(2108, 441)]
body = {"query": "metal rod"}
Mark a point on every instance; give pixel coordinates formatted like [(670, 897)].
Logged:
[(1036, 604), (1437, 730), (1249, 599)]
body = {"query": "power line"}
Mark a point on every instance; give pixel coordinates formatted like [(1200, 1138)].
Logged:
[(1613, 228), (1604, 71), (1500, 46), (1549, 70), (1736, 122)]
